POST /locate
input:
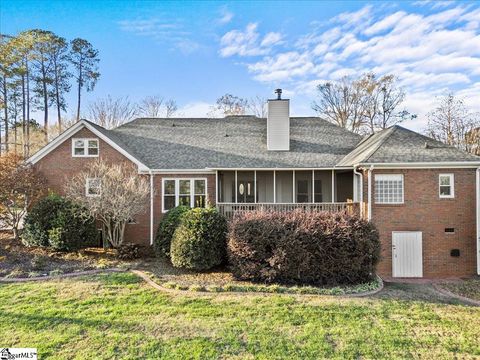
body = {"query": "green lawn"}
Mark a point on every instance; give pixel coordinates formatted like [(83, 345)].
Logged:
[(117, 316)]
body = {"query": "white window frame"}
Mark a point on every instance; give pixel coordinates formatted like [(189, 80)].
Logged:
[(85, 147), (452, 186), (87, 188), (177, 190), (385, 177)]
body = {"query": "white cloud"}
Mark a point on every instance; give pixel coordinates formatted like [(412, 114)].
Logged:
[(194, 109), (173, 33), (271, 38), (248, 42), (225, 16), (431, 52)]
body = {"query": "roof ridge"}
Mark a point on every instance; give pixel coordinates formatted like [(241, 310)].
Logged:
[(382, 141)]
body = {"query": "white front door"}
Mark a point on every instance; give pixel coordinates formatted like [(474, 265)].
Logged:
[(407, 254)]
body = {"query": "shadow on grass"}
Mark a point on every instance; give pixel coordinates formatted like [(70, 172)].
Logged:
[(414, 292)]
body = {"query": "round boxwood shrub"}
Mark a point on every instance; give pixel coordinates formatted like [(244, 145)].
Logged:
[(166, 228), (56, 222), (199, 243), (299, 247)]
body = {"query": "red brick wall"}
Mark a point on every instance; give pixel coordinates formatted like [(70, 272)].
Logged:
[(423, 210), (59, 166), (157, 201)]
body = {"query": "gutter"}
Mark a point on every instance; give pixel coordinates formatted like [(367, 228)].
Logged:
[(478, 218), (424, 165), (151, 207), (360, 195), (370, 193)]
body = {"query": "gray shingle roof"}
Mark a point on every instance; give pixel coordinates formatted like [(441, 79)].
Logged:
[(399, 145), (240, 142), (232, 142)]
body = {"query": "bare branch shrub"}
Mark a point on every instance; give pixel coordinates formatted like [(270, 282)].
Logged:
[(122, 195)]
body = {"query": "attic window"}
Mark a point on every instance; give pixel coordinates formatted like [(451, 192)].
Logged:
[(84, 147)]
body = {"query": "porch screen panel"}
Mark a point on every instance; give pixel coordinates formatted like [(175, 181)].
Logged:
[(245, 187), (265, 186), (284, 186), (303, 186), (344, 186), (226, 186), (323, 186)]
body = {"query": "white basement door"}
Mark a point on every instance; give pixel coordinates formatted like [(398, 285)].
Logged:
[(407, 254)]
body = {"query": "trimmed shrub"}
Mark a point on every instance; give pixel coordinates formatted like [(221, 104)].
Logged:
[(56, 222), (166, 228), (299, 247), (199, 243)]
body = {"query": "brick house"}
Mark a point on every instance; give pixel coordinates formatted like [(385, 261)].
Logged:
[(422, 195)]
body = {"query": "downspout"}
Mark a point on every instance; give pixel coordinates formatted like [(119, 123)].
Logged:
[(478, 219), (370, 193), (360, 195), (151, 207)]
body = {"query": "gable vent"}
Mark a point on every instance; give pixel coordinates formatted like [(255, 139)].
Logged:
[(278, 123)]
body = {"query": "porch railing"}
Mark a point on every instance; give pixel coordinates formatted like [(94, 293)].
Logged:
[(229, 209)]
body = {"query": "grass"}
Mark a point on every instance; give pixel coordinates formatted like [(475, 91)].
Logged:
[(117, 316), (467, 288), (260, 288)]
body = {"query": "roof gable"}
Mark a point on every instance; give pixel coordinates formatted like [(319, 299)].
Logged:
[(99, 131), (400, 145)]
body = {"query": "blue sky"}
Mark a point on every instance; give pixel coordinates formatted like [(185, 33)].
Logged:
[(194, 52)]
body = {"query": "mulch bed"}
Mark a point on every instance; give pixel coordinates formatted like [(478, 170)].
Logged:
[(19, 261)]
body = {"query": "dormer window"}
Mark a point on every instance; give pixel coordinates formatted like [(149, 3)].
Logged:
[(84, 147)]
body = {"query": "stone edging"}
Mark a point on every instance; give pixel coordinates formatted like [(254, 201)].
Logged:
[(369, 293), (455, 296), (155, 285), (60, 276)]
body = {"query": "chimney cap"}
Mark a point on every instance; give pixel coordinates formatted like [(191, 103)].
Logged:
[(279, 94)]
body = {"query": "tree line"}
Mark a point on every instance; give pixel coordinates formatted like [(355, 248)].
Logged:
[(368, 104), (37, 69)]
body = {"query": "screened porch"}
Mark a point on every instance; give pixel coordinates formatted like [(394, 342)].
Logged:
[(286, 190)]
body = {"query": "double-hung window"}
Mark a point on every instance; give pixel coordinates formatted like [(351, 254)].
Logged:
[(93, 187), (389, 189), (84, 147), (446, 186), (187, 192)]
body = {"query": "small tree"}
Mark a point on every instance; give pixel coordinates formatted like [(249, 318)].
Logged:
[(20, 186), (120, 196)]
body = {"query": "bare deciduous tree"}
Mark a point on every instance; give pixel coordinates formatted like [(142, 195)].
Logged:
[(116, 195), (110, 113), (453, 123), (363, 105), (151, 106), (342, 103), (229, 104), (258, 106), (171, 108), (20, 186), (156, 106)]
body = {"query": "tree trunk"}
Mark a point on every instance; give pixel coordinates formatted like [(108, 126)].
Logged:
[(59, 112), (28, 112), (78, 102), (24, 123), (45, 102), (5, 98)]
